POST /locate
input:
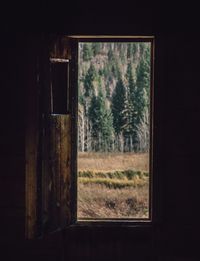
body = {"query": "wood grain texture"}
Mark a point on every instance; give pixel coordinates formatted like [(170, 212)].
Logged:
[(65, 177), (57, 180)]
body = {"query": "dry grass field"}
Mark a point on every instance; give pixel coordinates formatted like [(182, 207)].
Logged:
[(113, 161), (113, 185)]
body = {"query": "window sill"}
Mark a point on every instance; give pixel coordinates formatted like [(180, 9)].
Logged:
[(145, 223)]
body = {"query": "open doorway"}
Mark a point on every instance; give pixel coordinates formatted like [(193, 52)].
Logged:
[(114, 129)]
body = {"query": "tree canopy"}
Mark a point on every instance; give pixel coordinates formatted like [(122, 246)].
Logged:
[(114, 92)]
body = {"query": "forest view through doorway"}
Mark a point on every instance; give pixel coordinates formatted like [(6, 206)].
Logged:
[(114, 101)]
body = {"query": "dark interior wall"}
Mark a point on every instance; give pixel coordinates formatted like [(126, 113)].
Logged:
[(177, 109), (12, 202), (178, 233), (19, 108)]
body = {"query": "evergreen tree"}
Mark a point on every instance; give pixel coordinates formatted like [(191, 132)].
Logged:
[(110, 55), (115, 70), (105, 71), (129, 50), (142, 88), (142, 100), (122, 54), (89, 79), (107, 88), (118, 106), (101, 123), (147, 66), (93, 116), (119, 110), (134, 48), (131, 108), (107, 130), (96, 47), (87, 52)]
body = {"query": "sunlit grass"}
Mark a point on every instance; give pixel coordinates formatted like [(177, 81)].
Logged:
[(104, 162), (113, 185), (124, 174)]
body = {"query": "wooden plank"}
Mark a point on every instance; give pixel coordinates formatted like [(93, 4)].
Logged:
[(65, 159), (46, 185), (54, 182), (57, 180), (30, 195), (52, 210)]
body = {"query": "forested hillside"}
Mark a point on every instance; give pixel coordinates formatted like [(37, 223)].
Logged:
[(114, 97)]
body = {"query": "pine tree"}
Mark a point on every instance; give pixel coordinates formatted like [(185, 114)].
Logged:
[(119, 111), (122, 54), (142, 100), (101, 123), (107, 88), (142, 88), (118, 102), (96, 47), (130, 80), (115, 70), (112, 106), (110, 55), (131, 108), (134, 48), (129, 50), (89, 79), (87, 52)]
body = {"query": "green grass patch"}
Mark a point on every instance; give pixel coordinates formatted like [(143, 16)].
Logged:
[(113, 183), (121, 175)]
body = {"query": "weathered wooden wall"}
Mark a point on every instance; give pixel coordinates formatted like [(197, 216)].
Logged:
[(57, 180)]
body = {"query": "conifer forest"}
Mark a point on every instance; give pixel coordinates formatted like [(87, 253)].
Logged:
[(114, 97)]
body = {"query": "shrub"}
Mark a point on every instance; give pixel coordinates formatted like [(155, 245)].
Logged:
[(101, 174), (130, 174), (113, 183), (120, 175), (146, 174), (86, 174)]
